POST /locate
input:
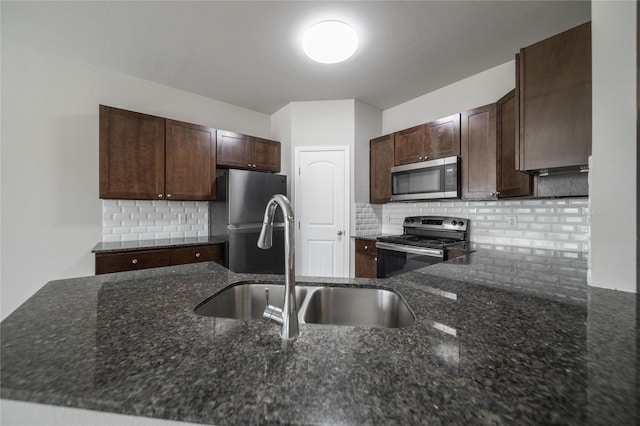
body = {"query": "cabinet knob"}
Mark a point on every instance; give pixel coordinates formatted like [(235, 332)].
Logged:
[(249, 165), (168, 195), (134, 261), (254, 166), (159, 195), (197, 254), (366, 247)]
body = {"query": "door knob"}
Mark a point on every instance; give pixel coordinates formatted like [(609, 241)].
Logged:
[(339, 232)]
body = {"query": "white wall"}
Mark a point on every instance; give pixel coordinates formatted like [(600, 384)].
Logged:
[(368, 125), (281, 131), (613, 190), (325, 123), (51, 215), (475, 91)]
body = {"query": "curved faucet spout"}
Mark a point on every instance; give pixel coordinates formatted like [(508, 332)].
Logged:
[(287, 317)]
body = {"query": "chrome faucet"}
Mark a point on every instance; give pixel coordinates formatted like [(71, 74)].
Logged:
[(287, 317)]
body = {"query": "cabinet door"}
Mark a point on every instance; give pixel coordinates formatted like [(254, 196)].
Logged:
[(190, 161), (411, 145), (444, 137), (365, 259), (234, 150), (131, 155), (554, 101), (380, 163), (266, 155), (510, 182), (479, 152)]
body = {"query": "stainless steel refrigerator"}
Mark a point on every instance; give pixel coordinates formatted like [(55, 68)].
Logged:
[(237, 214)]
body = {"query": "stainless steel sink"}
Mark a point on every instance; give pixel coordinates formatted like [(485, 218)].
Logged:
[(245, 300), (350, 306), (367, 307)]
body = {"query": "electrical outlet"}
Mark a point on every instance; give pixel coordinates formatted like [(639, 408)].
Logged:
[(182, 219), (512, 221)]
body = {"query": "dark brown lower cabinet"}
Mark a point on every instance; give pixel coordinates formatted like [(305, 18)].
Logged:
[(366, 261), (142, 259)]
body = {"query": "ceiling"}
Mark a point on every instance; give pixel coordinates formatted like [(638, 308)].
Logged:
[(248, 53)]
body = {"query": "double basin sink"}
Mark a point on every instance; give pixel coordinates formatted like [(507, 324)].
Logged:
[(317, 304)]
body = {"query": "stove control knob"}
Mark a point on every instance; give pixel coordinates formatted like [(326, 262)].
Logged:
[(461, 223), (409, 221), (454, 223)]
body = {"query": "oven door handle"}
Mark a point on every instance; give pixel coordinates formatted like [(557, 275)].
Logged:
[(409, 249)]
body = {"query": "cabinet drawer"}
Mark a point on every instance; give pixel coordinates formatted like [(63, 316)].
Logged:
[(131, 261), (183, 255), (367, 247)]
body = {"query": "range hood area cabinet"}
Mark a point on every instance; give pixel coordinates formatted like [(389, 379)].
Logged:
[(144, 157), (429, 141), (239, 151), (380, 163), (488, 153), (553, 100)]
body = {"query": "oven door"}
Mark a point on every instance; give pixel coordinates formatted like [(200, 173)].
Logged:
[(396, 259)]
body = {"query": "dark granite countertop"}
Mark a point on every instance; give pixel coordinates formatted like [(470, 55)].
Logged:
[(477, 354), (115, 246)]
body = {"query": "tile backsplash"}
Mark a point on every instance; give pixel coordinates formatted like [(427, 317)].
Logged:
[(559, 224), (130, 220)]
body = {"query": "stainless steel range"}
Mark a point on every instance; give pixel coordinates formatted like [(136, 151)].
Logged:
[(425, 241)]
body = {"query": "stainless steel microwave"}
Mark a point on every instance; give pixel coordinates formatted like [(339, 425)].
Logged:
[(427, 180)]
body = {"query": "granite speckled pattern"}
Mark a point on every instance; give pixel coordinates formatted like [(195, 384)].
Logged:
[(115, 246), (477, 354)]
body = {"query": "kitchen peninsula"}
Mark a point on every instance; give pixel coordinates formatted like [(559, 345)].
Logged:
[(500, 337)]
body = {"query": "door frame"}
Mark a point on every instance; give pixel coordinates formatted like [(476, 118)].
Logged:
[(345, 149)]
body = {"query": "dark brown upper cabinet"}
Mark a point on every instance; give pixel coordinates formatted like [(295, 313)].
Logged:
[(144, 157), (240, 151), (411, 145), (436, 139), (381, 154), (190, 163), (553, 100), (444, 137), (488, 137)]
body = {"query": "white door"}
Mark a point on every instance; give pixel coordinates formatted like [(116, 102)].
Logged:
[(322, 211)]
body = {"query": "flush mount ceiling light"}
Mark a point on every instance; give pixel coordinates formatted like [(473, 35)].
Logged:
[(330, 42)]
